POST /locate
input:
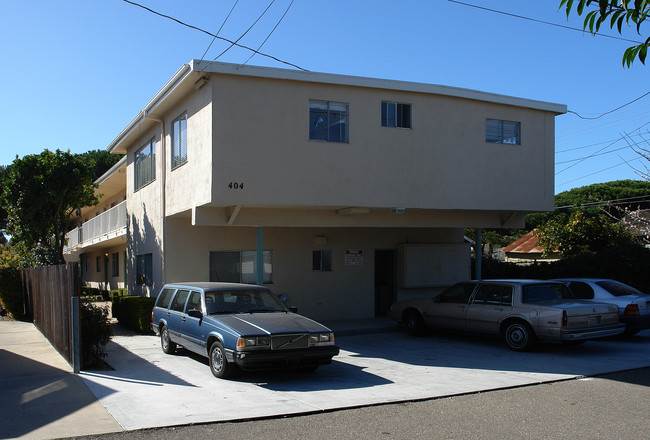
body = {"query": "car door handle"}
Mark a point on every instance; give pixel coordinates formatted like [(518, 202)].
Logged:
[(183, 318), (499, 309), (169, 314)]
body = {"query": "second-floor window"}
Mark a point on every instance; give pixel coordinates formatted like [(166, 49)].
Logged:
[(328, 121), (502, 132), (179, 141), (145, 164), (395, 114)]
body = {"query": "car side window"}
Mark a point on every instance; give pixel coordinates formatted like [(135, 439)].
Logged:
[(194, 302), (165, 298), (581, 290), (492, 294), (457, 294), (178, 304)]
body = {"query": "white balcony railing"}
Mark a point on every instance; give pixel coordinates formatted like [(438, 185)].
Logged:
[(109, 224)]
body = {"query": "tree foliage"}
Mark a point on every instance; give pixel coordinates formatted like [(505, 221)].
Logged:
[(614, 13), (39, 193), (581, 234)]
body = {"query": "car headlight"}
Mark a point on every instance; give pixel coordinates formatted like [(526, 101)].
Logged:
[(250, 342), (321, 339)]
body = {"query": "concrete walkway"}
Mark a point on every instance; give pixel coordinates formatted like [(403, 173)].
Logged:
[(39, 396), (42, 399)]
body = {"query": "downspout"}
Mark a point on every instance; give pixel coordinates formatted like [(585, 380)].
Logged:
[(163, 180)]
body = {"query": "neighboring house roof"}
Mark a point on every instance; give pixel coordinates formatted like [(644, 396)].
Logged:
[(528, 244)]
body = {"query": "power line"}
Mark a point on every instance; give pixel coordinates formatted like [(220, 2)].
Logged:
[(214, 35), (623, 201), (272, 30), (541, 21), (247, 30), (219, 31), (610, 111)]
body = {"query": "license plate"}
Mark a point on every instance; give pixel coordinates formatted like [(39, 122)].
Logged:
[(593, 320)]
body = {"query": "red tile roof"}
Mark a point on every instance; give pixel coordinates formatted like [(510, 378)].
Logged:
[(526, 244)]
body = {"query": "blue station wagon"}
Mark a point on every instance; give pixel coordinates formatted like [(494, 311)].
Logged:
[(239, 325)]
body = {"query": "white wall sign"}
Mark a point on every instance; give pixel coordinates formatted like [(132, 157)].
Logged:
[(354, 257)]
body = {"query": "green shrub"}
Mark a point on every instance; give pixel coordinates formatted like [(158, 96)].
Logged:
[(89, 292), (117, 293), (11, 293), (96, 331), (134, 312)]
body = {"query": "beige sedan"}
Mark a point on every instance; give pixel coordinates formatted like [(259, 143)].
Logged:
[(520, 311)]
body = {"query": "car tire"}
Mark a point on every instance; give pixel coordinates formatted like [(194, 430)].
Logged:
[(166, 343), (219, 365), (519, 336), (414, 323)]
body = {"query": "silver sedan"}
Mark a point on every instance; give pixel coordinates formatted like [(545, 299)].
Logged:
[(521, 311)]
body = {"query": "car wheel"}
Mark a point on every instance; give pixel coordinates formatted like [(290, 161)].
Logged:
[(219, 365), (166, 343), (414, 323), (519, 336)]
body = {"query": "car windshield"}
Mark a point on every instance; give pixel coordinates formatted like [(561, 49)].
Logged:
[(533, 293), (618, 289), (242, 301)]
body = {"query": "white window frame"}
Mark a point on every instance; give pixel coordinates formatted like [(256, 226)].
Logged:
[(498, 131), (327, 112), (398, 109), (144, 167), (179, 140)]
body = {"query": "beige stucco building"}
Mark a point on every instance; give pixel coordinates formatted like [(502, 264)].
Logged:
[(350, 192)]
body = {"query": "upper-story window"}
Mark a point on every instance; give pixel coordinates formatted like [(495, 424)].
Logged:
[(179, 140), (503, 132), (395, 114), (328, 121), (145, 164)]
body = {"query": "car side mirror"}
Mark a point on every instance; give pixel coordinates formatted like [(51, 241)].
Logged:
[(195, 313)]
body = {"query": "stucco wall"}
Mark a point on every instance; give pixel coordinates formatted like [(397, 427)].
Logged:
[(443, 162), (346, 292)]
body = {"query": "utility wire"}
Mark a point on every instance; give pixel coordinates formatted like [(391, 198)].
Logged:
[(219, 31), (247, 30), (271, 33), (541, 21), (611, 111), (214, 35)]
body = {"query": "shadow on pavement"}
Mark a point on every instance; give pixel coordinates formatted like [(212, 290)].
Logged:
[(37, 394)]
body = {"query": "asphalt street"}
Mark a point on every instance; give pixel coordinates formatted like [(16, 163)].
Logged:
[(612, 406)]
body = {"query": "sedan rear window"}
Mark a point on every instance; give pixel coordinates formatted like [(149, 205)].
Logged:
[(533, 293), (618, 289)]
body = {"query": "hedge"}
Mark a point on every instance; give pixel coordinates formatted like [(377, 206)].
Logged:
[(11, 293), (134, 312), (626, 263)]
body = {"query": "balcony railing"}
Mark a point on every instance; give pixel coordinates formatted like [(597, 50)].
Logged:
[(109, 224)]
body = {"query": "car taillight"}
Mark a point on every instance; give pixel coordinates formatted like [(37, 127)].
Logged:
[(565, 319), (152, 309), (631, 309)]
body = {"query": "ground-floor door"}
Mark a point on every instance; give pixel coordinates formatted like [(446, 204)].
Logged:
[(384, 280)]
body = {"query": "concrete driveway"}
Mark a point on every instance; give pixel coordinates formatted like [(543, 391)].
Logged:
[(151, 389)]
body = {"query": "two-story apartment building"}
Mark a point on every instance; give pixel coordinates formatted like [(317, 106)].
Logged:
[(349, 192)]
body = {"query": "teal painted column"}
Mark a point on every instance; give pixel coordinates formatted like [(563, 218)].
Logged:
[(260, 256), (478, 255)]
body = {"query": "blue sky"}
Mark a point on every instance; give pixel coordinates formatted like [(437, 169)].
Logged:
[(74, 73)]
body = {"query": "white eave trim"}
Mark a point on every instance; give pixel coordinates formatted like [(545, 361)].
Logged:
[(376, 83), (120, 163), (178, 78)]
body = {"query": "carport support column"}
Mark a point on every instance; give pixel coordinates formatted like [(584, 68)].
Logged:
[(478, 255), (260, 256)]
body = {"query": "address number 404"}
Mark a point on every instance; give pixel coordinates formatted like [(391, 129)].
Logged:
[(236, 185)]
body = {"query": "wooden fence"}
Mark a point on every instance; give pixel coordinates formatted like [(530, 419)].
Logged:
[(48, 294)]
